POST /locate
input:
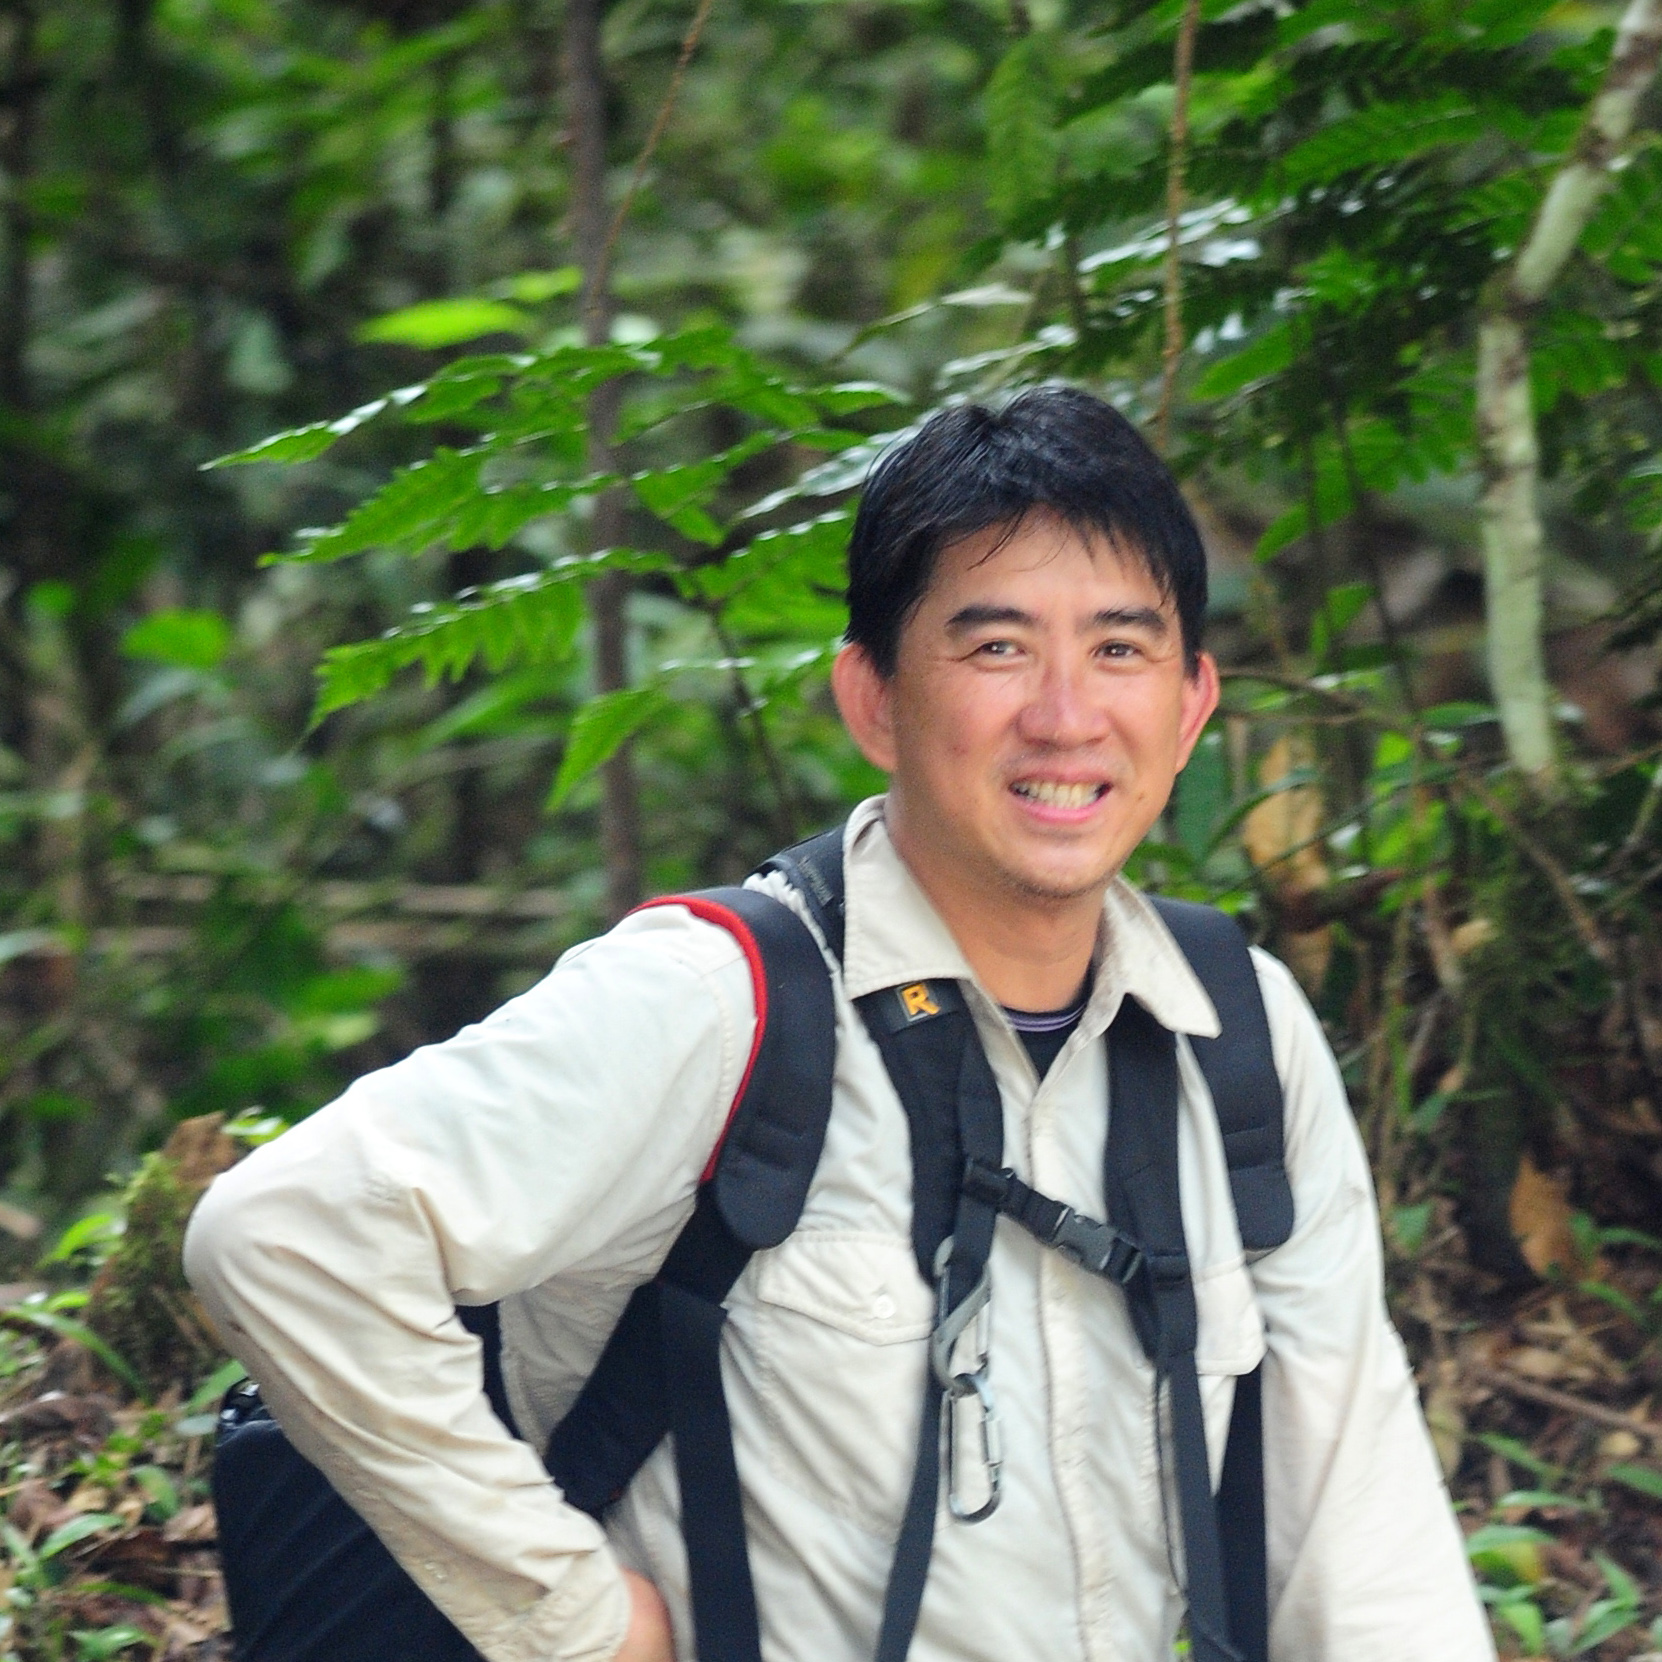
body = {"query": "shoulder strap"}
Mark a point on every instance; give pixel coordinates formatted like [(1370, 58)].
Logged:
[(1239, 1067), (661, 1368), (955, 1118), (814, 868), (763, 1164), (1140, 1179)]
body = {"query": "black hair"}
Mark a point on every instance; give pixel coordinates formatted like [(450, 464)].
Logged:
[(971, 468)]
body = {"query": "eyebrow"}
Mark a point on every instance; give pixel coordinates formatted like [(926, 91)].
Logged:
[(1113, 617)]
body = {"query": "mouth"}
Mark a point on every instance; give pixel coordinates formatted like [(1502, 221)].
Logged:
[(1058, 793)]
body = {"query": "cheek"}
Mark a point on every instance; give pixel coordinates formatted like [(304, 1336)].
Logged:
[(953, 719), (1151, 724)]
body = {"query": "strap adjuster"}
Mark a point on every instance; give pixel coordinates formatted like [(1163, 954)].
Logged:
[(1097, 1247)]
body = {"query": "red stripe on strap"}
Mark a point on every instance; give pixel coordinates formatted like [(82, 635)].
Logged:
[(724, 917)]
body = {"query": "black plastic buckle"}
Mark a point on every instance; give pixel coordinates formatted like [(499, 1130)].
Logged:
[(989, 1184), (1097, 1247)]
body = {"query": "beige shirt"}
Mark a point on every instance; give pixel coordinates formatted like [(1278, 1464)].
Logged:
[(547, 1158)]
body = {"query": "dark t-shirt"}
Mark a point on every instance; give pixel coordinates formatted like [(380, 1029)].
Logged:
[(1044, 1032)]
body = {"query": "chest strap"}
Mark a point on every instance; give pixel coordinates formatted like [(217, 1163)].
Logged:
[(1097, 1247)]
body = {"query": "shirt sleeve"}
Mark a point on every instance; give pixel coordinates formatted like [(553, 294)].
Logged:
[(1366, 1560), (565, 1134)]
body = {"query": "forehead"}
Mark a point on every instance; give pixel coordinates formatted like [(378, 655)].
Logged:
[(1047, 560)]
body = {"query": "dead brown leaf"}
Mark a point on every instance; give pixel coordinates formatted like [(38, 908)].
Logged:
[(1540, 1215), (194, 1523)]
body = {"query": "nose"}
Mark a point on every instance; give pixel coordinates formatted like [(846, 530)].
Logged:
[(1066, 708)]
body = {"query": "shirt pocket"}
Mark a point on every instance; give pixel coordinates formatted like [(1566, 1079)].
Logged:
[(1229, 1343), (842, 1321)]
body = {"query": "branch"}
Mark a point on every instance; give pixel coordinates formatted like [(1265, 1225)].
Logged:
[(1581, 920), (689, 45), (1501, 1379), (1513, 542), (1182, 80), (1575, 192), (1311, 689)]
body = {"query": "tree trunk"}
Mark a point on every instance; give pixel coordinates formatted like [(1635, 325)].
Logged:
[(1513, 543), (620, 830)]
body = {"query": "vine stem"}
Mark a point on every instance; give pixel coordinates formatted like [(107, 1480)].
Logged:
[(689, 45), (1182, 80)]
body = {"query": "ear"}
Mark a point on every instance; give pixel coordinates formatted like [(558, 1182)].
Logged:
[(864, 702), (1200, 699)]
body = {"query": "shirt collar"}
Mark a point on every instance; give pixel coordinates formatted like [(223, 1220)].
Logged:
[(895, 936)]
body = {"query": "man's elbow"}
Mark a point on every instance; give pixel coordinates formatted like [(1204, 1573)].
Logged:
[(224, 1249)]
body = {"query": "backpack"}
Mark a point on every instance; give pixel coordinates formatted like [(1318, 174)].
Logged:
[(285, 1533)]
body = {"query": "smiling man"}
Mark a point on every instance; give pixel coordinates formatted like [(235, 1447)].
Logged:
[(1024, 661)]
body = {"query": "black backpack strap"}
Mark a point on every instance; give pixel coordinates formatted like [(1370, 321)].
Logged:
[(926, 1036), (814, 868), (955, 1116), (1239, 1066), (661, 1368), (1241, 1527), (1141, 1184)]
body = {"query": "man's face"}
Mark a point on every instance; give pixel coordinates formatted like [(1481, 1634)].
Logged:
[(1038, 714)]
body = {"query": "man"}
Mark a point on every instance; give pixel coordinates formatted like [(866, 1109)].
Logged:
[(1023, 660)]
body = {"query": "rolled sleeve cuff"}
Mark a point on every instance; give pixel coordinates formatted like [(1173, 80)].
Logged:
[(584, 1619)]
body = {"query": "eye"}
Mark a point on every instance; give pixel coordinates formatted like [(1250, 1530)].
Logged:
[(996, 649), (1118, 649)]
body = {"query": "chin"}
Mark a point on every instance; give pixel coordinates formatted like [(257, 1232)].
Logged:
[(1050, 883)]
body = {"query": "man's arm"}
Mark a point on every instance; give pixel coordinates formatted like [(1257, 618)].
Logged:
[(1366, 1560), (562, 1137)]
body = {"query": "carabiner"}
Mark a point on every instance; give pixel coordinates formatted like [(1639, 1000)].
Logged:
[(992, 1444)]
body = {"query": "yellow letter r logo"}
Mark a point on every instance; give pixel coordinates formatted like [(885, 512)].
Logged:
[(917, 1002)]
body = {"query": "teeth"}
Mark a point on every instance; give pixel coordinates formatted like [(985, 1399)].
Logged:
[(1054, 795)]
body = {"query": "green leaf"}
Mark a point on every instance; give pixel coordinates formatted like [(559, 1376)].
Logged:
[(1410, 1224), (1023, 145), (159, 1489), (443, 502), (303, 444), (598, 729), (1269, 354), (1523, 1616), (1509, 1554), (848, 396), (1458, 714), (526, 619), (1621, 1584), (1619, 1235), (105, 1643), (677, 494), (208, 1393), (78, 1529), (1534, 1499), (95, 1233), (66, 1327), (1605, 1618), (533, 288), (181, 636), (1644, 1480), (435, 323), (1388, 133)]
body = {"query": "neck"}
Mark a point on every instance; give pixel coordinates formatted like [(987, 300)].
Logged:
[(1031, 952)]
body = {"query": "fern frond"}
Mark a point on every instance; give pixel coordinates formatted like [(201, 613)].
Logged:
[(533, 618), (1385, 135), (443, 502)]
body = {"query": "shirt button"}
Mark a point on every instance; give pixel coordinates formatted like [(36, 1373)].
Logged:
[(883, 1308)]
